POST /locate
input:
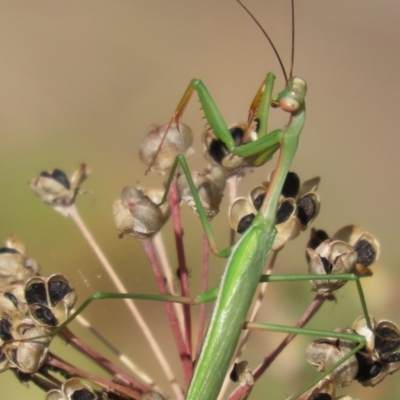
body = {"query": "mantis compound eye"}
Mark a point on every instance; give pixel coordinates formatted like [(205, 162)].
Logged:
[(289, 104)]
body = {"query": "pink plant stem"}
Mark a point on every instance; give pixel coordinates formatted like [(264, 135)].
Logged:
[(45, 384), (204, 286), (309, 313), (185, 357), (106, 364), (174, 200), (73, 212), (55, 362)]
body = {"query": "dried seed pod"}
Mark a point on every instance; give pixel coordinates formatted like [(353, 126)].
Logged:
[(330, 258), (12, 306), (305, 196), (323, 353), (365, 244), (72, 389), (216, 152), (50, 300), (210, 185), (381, 355), (27, 356), (15, 266), (137, 214), (176, 141), (292, 215), (55, 189), (287, 223)]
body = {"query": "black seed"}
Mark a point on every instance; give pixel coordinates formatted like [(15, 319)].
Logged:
[(306, 209), (5, 327), (12, 298), (58, 176), (284, 211), (45, 315), (316, 238), (36, 293), (233, 376), (244, 223), (217, 150), (257, 122), (8, 250), (366, 368), (366, 254), (237, 135), (57, 291), (327, 265), (320, 396), (386, 340), (393, 358), (82, 394), (291, 186), (259, 200)]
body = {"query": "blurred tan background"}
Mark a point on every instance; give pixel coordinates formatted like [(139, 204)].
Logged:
[(84, 81)]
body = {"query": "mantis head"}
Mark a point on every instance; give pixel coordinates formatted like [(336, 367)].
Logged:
[(291, 99)]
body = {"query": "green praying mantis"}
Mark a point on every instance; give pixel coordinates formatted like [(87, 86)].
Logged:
[(248, 257)]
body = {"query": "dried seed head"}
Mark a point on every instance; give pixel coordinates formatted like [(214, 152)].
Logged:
[(210, 187), (137, 214), (12, 306), (55, 189), (293, 214), (15, 266), (216, 152), (50, 300), (27, 356), (330, 258), (366, 246), (72, 389), (381, 355), (176, 141), (323, 353), (241, 214), (287, 223), (306, 197)]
